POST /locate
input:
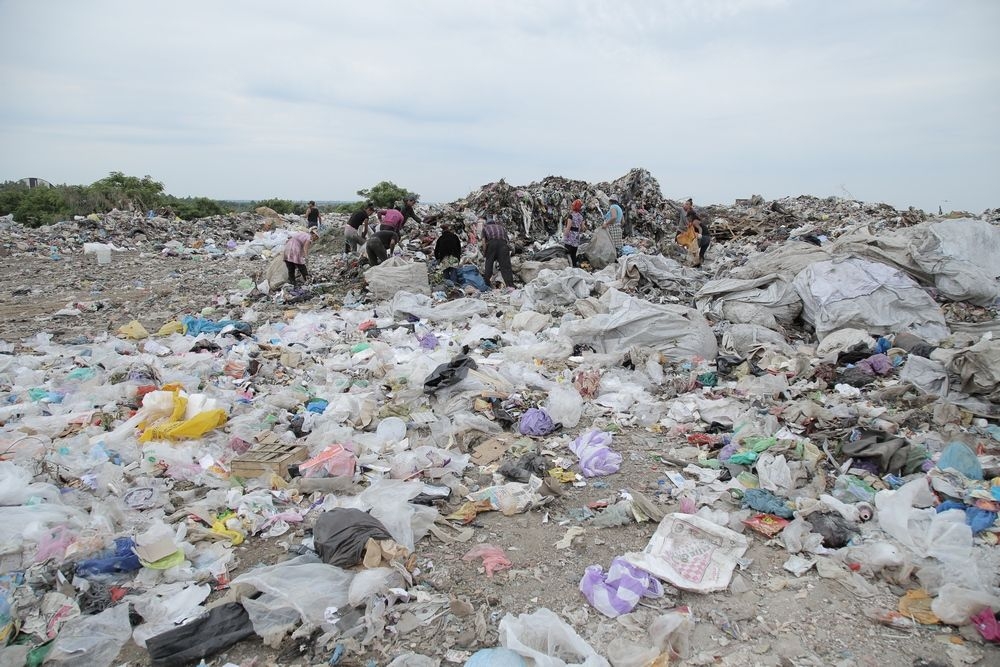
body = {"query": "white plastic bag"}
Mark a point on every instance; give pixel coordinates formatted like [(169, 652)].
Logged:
[(601, 250), (564, 405), (548, 640)]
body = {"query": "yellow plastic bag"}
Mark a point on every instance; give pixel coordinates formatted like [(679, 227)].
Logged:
[(193, 428), (171, 327), (134, 330), (687, 237)]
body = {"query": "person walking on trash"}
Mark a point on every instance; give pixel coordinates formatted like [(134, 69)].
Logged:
[(613, 222), (380, 245), (696, 230), (313, 217), (356, 228), (448, 247), (296, 251), (575, 226), (496, 249)]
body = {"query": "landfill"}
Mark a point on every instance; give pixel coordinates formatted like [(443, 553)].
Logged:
[(788, 455)]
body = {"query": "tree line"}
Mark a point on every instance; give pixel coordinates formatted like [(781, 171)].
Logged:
[(44, 205)]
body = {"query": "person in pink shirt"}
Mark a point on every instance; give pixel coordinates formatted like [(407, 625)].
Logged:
[(391, 219), (296, 251)]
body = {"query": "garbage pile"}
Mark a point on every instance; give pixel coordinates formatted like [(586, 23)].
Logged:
[(598, 468)]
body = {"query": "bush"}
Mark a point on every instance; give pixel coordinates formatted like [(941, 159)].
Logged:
[(384, 194), (127, 193), (281, 206), (192, 208), (41, 206)]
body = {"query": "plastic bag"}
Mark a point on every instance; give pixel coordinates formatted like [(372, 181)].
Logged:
[(564, 405), (548, 640), (448, 374), (303, 584), (619, 591), (92, 641), (536, 422), (334, 461), (956, 605), (596, 457), (600, 251), (218, 629), (691, 553), (341, 535), (133, 330), (493, 558)]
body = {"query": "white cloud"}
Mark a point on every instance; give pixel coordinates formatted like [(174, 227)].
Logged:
[(317, 99)]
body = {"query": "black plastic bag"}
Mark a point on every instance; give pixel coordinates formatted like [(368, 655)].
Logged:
[(448, 374), (341, 534), (206, 635)]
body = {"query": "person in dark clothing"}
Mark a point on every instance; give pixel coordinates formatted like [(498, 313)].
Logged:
[(355, 231), (380, 245), (700, 224), (313, 218), (496, 248), (448, 245), (407, 210), (573, 229)]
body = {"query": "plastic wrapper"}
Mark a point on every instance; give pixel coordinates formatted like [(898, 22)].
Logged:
[(218, 629)]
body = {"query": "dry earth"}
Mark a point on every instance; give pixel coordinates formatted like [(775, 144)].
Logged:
[(777, 620)]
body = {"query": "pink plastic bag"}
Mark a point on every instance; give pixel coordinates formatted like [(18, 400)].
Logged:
[(334, 461), (493, 558)]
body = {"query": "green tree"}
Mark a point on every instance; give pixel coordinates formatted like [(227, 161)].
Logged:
[(41, 206), (281, 206), (127, 192), (192, 208), (384, 194), (11, 194)]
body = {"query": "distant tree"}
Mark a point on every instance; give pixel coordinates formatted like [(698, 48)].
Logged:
[(347, 207), (127, 193), (41, 206), (11, 194), (192, 208), (282, 206), (384, 194)]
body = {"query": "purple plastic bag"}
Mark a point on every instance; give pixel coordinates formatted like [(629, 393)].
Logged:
[(878, 364), (596, 459), (536, 421), (619, 591)]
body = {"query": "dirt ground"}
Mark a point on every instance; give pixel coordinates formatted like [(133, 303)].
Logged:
[(777, 619)]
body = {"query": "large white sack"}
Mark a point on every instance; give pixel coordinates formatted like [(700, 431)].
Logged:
[(397, 274), (661, 271), (405, 303), (557, 288), (677, 332), (787, 259), (769, 300), (860, 294), (963, 256)]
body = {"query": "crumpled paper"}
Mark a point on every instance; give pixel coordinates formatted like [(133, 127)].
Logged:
[(619, 591), (596, 457)]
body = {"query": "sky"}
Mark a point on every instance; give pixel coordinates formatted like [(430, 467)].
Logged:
[(888, 101)]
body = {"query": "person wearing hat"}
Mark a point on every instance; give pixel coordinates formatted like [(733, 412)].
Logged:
[(573, 229), (356, 228), (296, 250), (613, 222), (313, 218), (407, 210)]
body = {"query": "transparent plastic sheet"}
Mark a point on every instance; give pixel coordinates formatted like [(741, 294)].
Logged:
[(389, 503), (271, 618), (564, 405), (304, 584), (91, 641), (166, 606), (956, 605), (547, 640)]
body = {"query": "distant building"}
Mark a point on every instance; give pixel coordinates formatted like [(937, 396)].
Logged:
[(33, 182)]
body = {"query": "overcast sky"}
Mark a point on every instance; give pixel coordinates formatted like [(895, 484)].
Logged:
[(886, 101)]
